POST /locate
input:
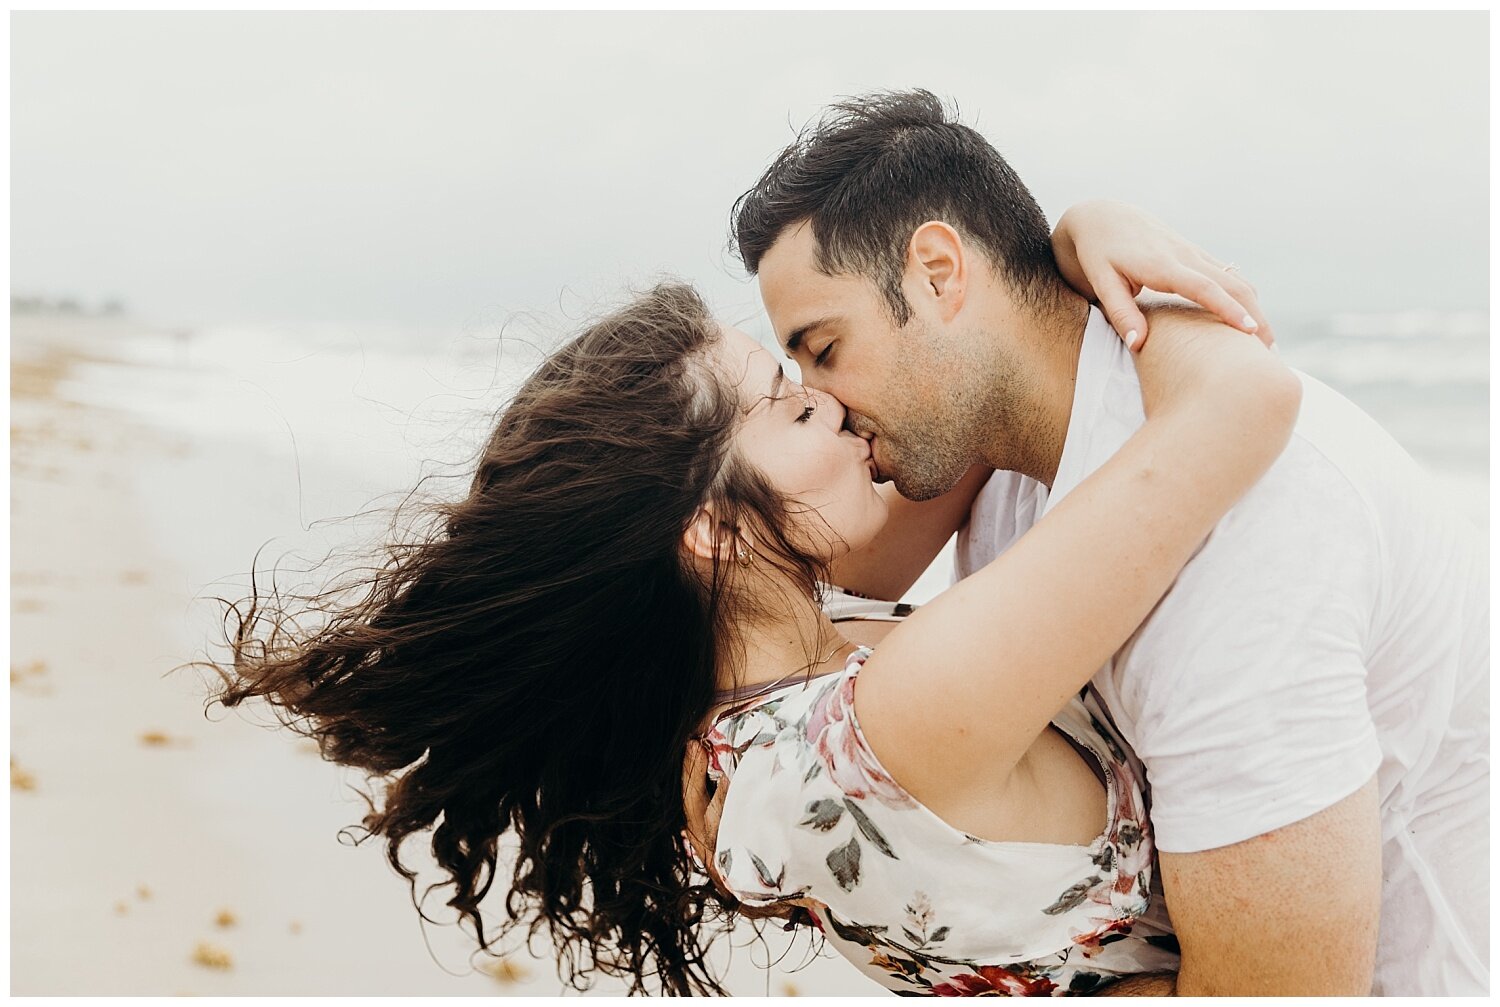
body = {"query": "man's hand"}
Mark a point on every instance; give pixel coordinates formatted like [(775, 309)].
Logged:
[(1294, 912)]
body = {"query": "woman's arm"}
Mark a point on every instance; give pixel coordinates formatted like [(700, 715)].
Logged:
[(1107, 251), (911, 537), (973, 677)]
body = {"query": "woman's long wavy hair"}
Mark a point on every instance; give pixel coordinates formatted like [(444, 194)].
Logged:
[(539, 661)]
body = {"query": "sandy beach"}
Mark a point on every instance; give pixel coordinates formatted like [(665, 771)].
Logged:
[(156, 850)]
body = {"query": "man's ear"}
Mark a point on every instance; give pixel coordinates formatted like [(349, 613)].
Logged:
[(706, 537), (936, 269)]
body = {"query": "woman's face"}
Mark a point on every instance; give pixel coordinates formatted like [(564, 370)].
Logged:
[(795, 436)]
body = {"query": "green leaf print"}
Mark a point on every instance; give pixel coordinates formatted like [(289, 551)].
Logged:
[(1105, 858), (868, 829), (1072, 898), (822, 814), (844, 863), (764, 873)]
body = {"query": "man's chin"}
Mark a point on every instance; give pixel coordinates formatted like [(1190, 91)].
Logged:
[(917, 486), (915, 493)]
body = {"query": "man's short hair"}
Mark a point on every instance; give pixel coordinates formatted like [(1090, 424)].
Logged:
[(875, 168)]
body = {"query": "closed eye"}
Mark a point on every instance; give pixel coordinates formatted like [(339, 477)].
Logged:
[(806, 414), (822, 357)]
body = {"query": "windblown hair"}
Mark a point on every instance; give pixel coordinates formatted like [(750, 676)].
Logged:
[(538, 663), (875, 168)]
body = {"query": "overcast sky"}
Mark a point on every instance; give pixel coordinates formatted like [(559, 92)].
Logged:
[(438, 169)]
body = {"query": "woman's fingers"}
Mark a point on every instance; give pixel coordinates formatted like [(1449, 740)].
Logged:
[(695, 798), (1238, 308), (1244, 293), (1118, 304)]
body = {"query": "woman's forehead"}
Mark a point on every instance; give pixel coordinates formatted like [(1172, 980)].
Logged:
[(748, 367)]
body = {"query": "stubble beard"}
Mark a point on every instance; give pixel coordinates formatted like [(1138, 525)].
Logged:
[(936, 445), (924, 473)]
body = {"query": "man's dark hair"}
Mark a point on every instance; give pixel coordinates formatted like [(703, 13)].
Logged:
[(875, 168)]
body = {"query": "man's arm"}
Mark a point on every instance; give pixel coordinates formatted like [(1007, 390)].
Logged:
[(1247, 697), (1295, 911)]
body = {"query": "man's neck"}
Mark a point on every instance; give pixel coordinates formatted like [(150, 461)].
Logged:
[(1047, 347)]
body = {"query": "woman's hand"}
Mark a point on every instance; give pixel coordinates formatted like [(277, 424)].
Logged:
[(1109, 251), (703, 807)]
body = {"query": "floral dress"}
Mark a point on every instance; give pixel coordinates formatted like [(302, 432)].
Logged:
[(917, 905)]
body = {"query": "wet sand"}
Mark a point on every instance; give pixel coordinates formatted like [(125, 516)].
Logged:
[(155, 850)]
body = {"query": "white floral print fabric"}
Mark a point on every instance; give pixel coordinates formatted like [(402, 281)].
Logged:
[(813, 818)]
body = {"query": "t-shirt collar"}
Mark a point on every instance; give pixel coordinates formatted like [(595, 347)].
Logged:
[(1098, 354)]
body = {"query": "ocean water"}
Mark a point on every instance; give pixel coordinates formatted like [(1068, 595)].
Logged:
[(1424, 376), (346, 417)]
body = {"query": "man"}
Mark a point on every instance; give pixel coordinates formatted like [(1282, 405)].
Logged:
[(1311, 698)]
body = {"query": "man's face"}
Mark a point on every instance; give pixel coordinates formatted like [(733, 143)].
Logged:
[(900, 384)]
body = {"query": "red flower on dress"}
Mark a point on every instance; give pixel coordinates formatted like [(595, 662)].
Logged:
[(722, 758), (993, 980), (1089, 940), (835, 737)]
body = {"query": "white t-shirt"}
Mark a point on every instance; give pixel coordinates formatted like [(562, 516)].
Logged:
[(1334, 625)]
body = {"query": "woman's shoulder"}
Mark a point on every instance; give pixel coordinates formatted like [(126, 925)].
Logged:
[(781, 719), (812, 815)]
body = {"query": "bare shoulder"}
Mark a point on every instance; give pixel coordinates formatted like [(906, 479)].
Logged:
[(1180, 322), (1169, 310)]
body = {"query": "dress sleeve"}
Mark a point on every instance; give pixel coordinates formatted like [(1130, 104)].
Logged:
[(763, 755), (1245, 692), (802, 783)]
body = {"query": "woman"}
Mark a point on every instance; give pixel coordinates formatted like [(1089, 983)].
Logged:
[(540, 662)]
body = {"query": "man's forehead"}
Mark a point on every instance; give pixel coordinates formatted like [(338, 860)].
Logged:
[(789, 267), (797, 295), (795, 246)]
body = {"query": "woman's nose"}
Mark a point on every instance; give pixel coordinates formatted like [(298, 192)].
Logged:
[(834, 408)]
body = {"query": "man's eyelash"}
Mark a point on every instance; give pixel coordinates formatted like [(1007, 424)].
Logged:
[(823, 356)]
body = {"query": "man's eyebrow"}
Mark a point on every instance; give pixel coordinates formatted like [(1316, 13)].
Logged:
[(794, 341)]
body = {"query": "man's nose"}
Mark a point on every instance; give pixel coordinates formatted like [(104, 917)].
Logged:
[(828, 401), (851, 422)]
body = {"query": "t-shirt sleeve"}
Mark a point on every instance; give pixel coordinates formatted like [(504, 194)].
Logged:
[(1245, 692)]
